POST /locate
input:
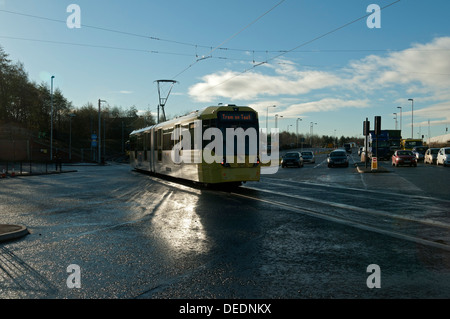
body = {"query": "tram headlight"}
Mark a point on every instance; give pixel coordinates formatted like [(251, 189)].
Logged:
[(257, 162), (224, 163)]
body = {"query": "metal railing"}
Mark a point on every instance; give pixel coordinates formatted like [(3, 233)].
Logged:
[(23, 168)]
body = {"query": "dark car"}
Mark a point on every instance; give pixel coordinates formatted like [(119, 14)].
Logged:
[(348, 147), (419, 152), (337, 158), (292, 159), (403, 157)]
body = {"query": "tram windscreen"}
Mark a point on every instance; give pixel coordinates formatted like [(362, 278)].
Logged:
[(246, 120), (236, 117)]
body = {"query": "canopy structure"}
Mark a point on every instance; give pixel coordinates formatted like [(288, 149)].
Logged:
[(163, 96), (440, 140)]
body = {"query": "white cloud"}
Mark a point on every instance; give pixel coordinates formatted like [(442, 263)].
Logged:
[(421, 72), (323, 105), (251, 85), (423, 66)]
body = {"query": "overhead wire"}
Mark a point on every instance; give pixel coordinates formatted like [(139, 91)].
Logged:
[(227, 40), (219, 47), (298, 46)]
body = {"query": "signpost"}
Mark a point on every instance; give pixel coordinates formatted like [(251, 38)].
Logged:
[(377, 132), (374, 163), (366, 130), (94, 143)]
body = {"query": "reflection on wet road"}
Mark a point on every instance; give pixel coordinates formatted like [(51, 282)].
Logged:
[(140, 236)]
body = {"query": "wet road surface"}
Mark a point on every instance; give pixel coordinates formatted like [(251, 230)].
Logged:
[(139, 236)]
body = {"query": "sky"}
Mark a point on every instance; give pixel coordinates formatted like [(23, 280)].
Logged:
[(325, 65)]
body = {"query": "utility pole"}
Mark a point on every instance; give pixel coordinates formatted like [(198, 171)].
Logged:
[(412, 117), (51, 119), (99, 131)]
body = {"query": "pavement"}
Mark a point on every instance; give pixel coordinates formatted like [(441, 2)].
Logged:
[(361, 167), (10, 232)]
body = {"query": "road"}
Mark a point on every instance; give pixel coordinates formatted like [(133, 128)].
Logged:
[(306, 232)]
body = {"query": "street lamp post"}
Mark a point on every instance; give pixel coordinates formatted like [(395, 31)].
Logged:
[(276, 119), (70, 136), (99, 131), (335, 139), (288, 127), (51, 119), (311, 131), (412, 117), (298, 119), (399, 107), (267, 118)]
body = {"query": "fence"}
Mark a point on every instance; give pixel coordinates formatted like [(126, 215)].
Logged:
[(21, 168)]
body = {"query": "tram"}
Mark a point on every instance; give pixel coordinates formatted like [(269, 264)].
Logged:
[(215, 145)]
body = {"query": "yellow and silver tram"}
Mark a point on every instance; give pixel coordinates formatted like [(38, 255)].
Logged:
[(180, 148)]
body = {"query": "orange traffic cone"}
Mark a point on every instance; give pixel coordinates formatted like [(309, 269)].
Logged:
[(3, 173), (13, 173)]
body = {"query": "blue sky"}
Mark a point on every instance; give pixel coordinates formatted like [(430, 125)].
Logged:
[(335, 81)]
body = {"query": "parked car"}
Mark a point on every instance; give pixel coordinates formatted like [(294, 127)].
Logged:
[(337, 158), (419, 151), (308, 157), (402, 157), (292, 159), (430, 156), (443, 156)]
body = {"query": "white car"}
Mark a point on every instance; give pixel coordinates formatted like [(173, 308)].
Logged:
[(431, 155), (443, 156)]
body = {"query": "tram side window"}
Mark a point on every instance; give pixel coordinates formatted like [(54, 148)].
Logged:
[(207, 124), (146, 144), (167, 140), (159, 145), (191, 132), (133, 141), (140, 143), (133, 145)]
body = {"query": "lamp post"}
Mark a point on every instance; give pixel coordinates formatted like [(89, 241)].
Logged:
[(99, 131), (70, 136), (395, 118), (267, 118), (399, 107), (288, 127), (335, 139), (51, 119), (276, 119), (412, 117), (311, 131), (298, 119)]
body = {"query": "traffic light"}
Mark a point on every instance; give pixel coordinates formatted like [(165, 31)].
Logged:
[(366, 127), (377, 125)]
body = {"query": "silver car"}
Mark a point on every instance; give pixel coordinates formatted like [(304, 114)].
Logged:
[(308, 157)]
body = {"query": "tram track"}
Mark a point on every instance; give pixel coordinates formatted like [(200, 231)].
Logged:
[(416, 229), (421, 230)]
